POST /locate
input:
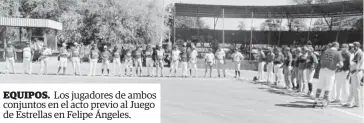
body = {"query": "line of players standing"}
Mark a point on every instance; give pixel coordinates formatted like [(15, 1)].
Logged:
[(132, 58), (341, 71)]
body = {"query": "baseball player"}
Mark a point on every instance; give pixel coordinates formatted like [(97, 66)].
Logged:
[(27, 59), (137, 58), (128, 61), (310, 69), (75, 55), (220, 61), (63, 58), (209, 62), (44, 58), (116, 56), (356, 75), (10, 58), (269, 60), (184, 61), (148, 53), (175, 57), (278, 67), (341, 77), (159, 60), (237, 58), (93, 58), (330, 60), (105, 60), (193, 60), (294, 77), (261, 64), (287, 67)]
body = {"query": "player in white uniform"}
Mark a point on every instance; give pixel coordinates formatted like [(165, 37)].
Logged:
[(116, 54), (356, 75), (148, 54), (175, 58), (63, 58), (331, 59), (341, 89), (237, 58), (93, 58), (44, 58), (76, 61), (10, 58), (269, 60), (209, 62), (159, 61), (220, 61), (27, 59), (193, 60), (261, 64)]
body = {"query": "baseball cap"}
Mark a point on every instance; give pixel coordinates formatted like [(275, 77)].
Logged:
[(345, 46), (357, 44)]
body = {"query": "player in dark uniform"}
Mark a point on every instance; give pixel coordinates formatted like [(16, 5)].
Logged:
[(184, 61), (330, 60)]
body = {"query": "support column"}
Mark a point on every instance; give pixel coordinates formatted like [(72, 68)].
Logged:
[(174, 25), (280, 31), (223, 26), (251, 35), (341, 19), (309, 27), (20, 34)]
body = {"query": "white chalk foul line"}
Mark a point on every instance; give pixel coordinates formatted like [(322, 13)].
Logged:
[(349, 113)]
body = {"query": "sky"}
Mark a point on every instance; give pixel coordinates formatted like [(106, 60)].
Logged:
[(232, 24)]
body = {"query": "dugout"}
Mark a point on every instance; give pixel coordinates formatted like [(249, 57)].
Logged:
[(43, 31)]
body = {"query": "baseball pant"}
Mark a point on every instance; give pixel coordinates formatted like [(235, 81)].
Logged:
[(193, 66), (27, 65), (309, 73), (261, 71), (93, 64), (44, 66), (355, 87), (159, 66), (287, 76), (221, 65), (105, 64), (237, 66), (270, 72), (278, 72), (294, 78), (128, 66), (326, 79), (76, 64), (10, 62), (342, 86), (184, 66), (63, 61), (117, 64), (149, 64), (208, 66), (301, 79)]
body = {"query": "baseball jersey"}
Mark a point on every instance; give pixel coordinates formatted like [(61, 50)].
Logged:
[(193, 55), (75, 51), (137, 54), (220, 54), (278, 59), (148, 53), (346, 60), (261, 56), (46, 52), (330, 58), (175, 55), (209, 57), (117, 53), (358, 60), (269, 57), (302, 59), (128, 55), (160, 54), (105, 55), (9, 52), (184, 56), (295, 59), (237, 57), (94, 54), (27, 52), (63, 52), (311, 61), (288, 59)]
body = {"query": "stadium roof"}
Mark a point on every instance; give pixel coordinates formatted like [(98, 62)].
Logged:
[(26, 22), (334, 9)]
